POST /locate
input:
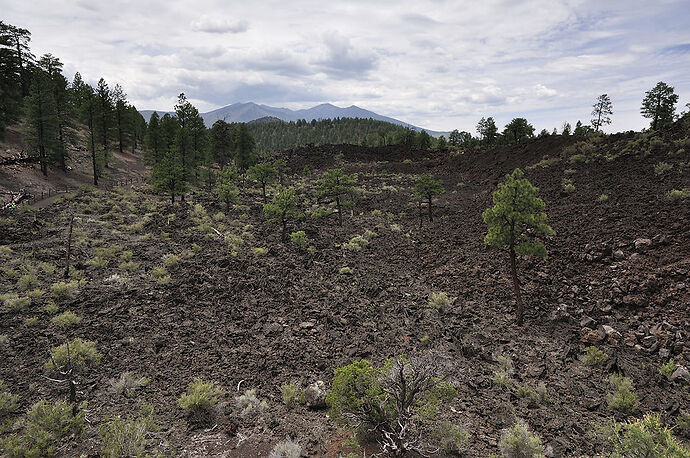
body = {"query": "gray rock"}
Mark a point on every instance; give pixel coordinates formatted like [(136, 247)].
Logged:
[(635, 257), (315, 395), (680, 374), (664, 353), (618, 255), (642, 243)]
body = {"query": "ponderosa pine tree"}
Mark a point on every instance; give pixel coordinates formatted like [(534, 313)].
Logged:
[(226, 186), (516, 221), (86, 102), (264, 174), (41, 120), (424, 140), (334, 186), (13, 76), (52, 67), (105, 113), (245, 148), (153, 144), (454, 138), (282, 209), (659, 105), (137, 125), (221, 142), (518, 130), (426, 189), (120, 105), (601, 112), (487, 130), (188, 138)]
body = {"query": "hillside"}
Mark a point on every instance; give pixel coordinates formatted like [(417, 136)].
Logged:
[(246, 112), (237, 306)]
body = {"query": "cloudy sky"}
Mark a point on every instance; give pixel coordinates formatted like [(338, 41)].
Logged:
[(438, 64)]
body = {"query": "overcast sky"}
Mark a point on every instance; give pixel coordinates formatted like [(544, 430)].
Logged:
[(436, 64)]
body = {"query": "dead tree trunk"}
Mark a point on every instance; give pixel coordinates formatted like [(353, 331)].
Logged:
[(68, 250)]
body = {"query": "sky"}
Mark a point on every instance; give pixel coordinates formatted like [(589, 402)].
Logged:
[(437, 64)]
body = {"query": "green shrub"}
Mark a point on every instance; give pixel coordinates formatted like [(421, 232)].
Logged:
[(321, 212), (593, 356), (159, 272), (171, 260), (356, 243), (260, 251), (440, 301), (662, 167), (126, 255), (299, 238), (5, 252), (128, 438), (107, 252), (503, 375), (31, 321), (647, 437), (83, 354), (568, 185), (452, 439), (364, 397), (35, 293), (678, 194), (27, 281), (47, 268), (668, 367), (62, 291), (9, 403), (98, 262), (345, 270), (51, 308), (603, 198), (622, 397), (66, 319), (44, 425), (127, 383), (13, 302), (129, 265), (199, 400), (292, 393), (519, 442)]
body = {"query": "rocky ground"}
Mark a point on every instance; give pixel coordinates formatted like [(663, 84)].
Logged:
[(617, 276)]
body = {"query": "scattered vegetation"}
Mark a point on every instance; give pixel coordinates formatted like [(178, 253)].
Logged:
[(292, 394), (78, 354), (519, 442), (249, 406), (593, 356), (646, 437), (622, 397), (66, 319), (441, 301), (286, 449), (127, 384), (128, 437), (199, 401)]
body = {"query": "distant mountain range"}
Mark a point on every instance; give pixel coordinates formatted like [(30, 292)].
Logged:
[(247, 112)]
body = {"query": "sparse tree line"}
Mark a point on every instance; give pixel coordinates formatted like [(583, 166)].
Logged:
[(659, 105), (36, 91)]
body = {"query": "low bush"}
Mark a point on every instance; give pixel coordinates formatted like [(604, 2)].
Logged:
[(98, 262), (27, 281), (603, 198), (452, 439), (66, 319), (292, 393), (299, 238), (567, 185), (678, 194), (668, 367), (519, 442), (199, 401), (593, 356), (9, 403), (440, 301), (286, 449), (128, 437), (622, 397), (646, 437), (249, 406), (13, 302), (503, 375), (82, 354), (356, 243), (260, 251), (45, 424), (662, 167), (62, 291), (127, 383), (171, 260), (396, 401)]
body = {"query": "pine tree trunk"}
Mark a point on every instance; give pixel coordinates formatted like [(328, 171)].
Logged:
[(263, 190), (516, 286), (340, 213), (431, 217)]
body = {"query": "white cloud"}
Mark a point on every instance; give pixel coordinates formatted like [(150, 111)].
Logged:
[(428, 62), (214, 24)]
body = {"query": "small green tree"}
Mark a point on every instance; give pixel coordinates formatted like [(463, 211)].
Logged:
[(642, 438), (514, 221), (426, 189), (659, 104), (226, 186), (41, 119), (282, 209), (334, 185), (168, 175), (264, 173)]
